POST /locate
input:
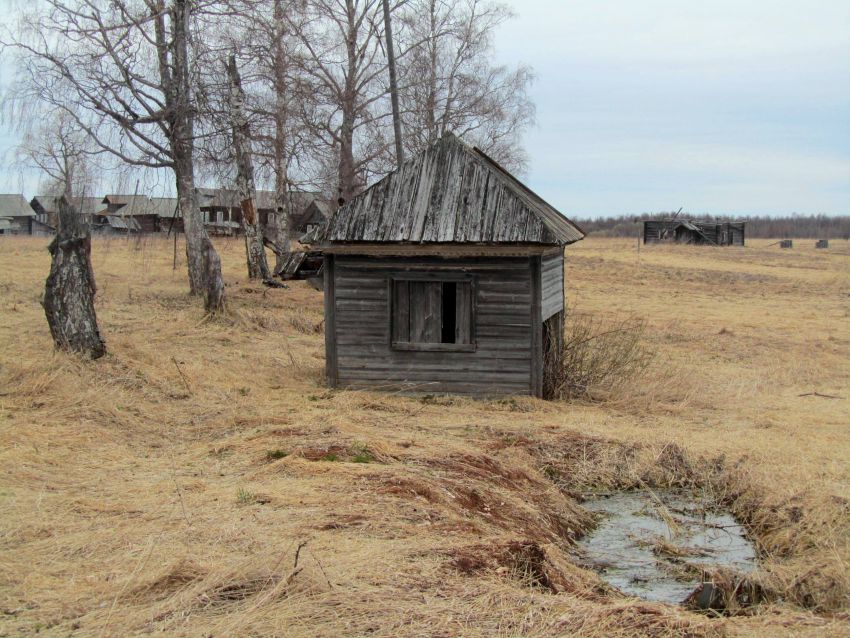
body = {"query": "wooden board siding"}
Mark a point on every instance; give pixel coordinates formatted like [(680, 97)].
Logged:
[(358, 325), (653, 230), (552, 284)]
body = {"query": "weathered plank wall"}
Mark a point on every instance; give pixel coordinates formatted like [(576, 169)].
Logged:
[(552, 284), (652, 231), (501, 362)]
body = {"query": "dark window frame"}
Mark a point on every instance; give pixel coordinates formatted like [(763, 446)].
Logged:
[(435, 277)]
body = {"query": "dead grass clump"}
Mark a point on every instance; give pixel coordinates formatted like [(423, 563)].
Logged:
[(579, 463), (244, 589), (166, 582), (306, 323), (635, 619), (499, 495), (804, 539), (529, 563), (727, 592), (355, 452)]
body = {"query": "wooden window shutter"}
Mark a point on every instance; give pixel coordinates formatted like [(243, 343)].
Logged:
[(463, 312), (401, 311), (426, 309)]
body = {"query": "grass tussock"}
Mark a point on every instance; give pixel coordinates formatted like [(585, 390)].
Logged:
[(170, 486)]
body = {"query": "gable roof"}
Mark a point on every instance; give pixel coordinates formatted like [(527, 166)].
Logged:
[(14, 205), (163, 206), (123, 223), (318, 211), (130, 205), (454, 193), (50, 204), (229, 198)]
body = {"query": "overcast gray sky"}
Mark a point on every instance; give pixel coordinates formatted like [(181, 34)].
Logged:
[(721, 106), (718, 106)]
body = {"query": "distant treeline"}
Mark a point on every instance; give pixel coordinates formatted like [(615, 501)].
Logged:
[(802, 226)]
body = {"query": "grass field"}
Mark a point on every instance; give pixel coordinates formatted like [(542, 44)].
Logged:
[(201, 481)]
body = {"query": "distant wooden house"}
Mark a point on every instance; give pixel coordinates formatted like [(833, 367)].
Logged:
[(16, 216), (445, 276), (46, 209), (222, 211), (314, 216), (167, 213), (127, 214), (682, 231)]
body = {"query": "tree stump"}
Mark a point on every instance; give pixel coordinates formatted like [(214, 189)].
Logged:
[(214, 293), (69, 290)]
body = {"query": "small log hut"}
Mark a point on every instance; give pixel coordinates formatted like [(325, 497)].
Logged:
[(682, 231), (445, 276)]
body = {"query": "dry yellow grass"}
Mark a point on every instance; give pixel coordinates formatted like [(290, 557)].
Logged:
[(200, 480)]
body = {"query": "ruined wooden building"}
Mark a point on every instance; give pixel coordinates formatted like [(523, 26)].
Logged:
[(46, 208), (710, 233), (445, 276), (16, 216)]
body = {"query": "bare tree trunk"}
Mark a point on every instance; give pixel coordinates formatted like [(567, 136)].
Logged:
[(69, 290), (203, 260), (258, 268), (280, 234), (399, 150), (346, 171)]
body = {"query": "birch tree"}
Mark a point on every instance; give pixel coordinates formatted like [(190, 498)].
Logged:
[(56, 146), (450, 82), (258, 267), (342, 58), (123, 71)]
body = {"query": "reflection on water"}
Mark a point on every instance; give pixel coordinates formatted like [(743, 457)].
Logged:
[(651, 544)]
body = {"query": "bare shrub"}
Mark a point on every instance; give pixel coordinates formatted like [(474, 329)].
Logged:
[(598, 357)]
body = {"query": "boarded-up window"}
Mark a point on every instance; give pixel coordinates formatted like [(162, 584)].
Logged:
[(432, 315)]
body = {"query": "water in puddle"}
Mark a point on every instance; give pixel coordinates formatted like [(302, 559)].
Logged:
[(637, 532)]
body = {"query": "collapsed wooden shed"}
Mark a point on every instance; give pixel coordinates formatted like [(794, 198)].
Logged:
[(445, 276), (682, 231)]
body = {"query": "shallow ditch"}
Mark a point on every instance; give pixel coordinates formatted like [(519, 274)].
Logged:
[(663, 545)]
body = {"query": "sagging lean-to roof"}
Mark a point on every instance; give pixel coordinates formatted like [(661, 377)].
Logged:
[(449, 193)]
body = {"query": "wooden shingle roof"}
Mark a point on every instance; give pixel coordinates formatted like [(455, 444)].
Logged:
[(14, 205), (450, 193)]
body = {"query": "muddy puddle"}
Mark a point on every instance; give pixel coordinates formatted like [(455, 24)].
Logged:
[(655, 544)]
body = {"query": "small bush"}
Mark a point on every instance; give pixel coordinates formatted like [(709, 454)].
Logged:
[(275, 455), (244, 497), (597, 357), (361, 454)]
